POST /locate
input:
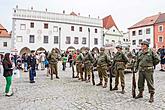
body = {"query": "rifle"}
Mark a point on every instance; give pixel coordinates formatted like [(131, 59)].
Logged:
[(93, 77), (133, 85), (110, 77)]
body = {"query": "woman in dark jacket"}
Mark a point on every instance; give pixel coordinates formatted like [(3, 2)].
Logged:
[(8, 72)]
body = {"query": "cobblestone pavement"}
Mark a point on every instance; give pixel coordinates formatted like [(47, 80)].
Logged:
[(67, 93)]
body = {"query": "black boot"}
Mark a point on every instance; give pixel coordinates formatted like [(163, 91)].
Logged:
[(140, 95), (151, 98), (51, 76), (105, 85), (115, 88), (123, 91)]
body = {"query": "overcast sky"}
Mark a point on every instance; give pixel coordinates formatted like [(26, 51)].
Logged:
[(124, 12)]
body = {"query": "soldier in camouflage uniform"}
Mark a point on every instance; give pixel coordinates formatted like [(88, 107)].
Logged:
[(146, 60), (102, 62), (119, 61), (53, 58), (79, 61), (87, 60)]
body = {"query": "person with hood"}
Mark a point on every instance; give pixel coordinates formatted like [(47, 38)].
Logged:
[(53, 58)]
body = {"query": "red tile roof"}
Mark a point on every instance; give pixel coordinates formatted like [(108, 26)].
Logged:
[(73, 13), (146, 22), (3, 32), (161, 18), (108, 22)]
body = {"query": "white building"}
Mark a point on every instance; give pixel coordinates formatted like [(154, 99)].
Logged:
[(37, 30), (143, 30), (5, 40), (112, 35)]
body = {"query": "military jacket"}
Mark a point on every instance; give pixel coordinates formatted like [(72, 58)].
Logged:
[(88, 58), (103, 60), (53, 58), (79, 58), (120, 60), (147, 59)]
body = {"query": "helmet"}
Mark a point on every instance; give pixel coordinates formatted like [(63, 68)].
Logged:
[(145, 42), (119, 46), (102, 49)]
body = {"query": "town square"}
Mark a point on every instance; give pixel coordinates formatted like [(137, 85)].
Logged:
[(79, 55)]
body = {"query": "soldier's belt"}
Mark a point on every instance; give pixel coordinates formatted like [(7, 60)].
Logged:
[(119, 62), (146, 67)]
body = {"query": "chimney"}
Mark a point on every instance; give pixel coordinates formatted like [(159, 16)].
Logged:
[(46, 9), (63, 12), (17, 6), (89, 16), (79, 14), (98, 17)]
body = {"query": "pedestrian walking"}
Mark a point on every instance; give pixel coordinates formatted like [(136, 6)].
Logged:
[(146, 60), (8, 72), (32, 67), (162, 58)]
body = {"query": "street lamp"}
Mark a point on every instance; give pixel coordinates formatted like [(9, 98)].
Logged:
[(60, 38), (89, 38), (103, 38)]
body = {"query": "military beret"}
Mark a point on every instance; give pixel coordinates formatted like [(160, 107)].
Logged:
[(145, 42)]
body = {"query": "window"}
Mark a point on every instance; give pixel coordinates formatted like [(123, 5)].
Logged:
[(75, 40), (148, 31), (4, 44), (67, 40), (160, 28), (140, 40), (95, 41), (148, 40), (22, 26), (133, 42), (72, 28), (31, 39), (19, 39), (46, 39), (55, 39), (80, 29), (32, 25), (140, 32), (45, 25), (95, 30), (133, 33), (113, 30), (55, 29), (160, 39), (83, 40), (113, 41), (124, 40)]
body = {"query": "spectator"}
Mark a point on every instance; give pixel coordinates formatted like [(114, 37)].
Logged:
[(162, 58)]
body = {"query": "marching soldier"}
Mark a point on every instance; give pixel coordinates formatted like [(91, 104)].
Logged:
[(79, 65), (146, 60), (88, 60), (53, 58), (119, 61), (102, 63)]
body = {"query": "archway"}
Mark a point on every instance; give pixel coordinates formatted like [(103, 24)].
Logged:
[(70, 49), (24, 50), (41, 49), (95, 49)]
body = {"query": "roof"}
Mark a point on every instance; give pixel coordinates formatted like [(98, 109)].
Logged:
[(3, 32), (161, 18), (73, 13), (146, 22), (108, 22)]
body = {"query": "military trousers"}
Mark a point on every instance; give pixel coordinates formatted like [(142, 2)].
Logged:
[(79, 70), (148, 76), (53, 68), (87, 69), (119, 73), (102, 71)]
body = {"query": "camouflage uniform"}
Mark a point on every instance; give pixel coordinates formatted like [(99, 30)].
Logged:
[(119, 61), (145, 62), (88, 60), (102, 62), (79, 65), (53, 58)]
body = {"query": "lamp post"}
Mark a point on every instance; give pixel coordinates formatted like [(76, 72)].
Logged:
[(89, 38), (60, 38), (103, 38)]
